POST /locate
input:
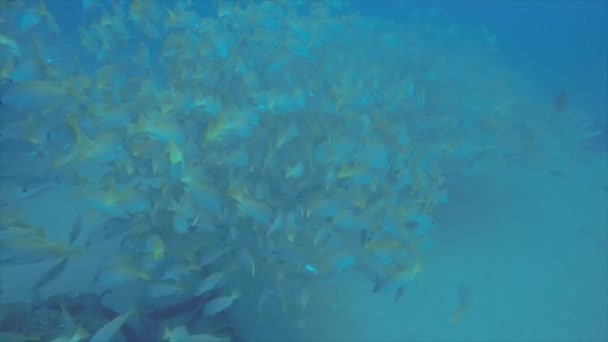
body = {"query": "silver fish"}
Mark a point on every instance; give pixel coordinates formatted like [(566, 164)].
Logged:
[(50, 275)]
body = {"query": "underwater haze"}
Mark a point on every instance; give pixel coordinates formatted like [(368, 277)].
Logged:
[(303, 170)]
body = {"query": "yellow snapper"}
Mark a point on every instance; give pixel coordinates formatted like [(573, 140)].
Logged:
[(118, 272), (257, 210)]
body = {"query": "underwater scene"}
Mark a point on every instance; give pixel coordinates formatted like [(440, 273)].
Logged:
[(303, 170)]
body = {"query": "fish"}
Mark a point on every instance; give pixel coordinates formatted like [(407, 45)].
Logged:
[(399, 293), (210, 282), (211, 254), (399, 279), (76, 228), (36, 94), (561, 102), (32, 249), (364, 237), (220, 304), (464, 297), (18, 191), (79, 334), (245, 257), (72, 332), (558, 174), (182, 19), (112, 228), (161, 289), (181, 334), (10, 44), (264, 298), (50, 275), (119, 272), (106, 332), (156, 246), (256, 209)]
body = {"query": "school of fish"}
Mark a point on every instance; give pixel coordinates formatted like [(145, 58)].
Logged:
[(287, 141)]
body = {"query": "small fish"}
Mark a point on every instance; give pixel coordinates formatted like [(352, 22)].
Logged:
[(15, 192), (50, 275), (175, 155), (211, 254), (210, 282), (256, 209), (463, 302), (247, 260), (181, 334), (364, 237), (557, 174), (76, 228), (399, 293), (156, 246), (23, 250), (111, 228), (12, 46), (380, 283), (399, 279), (561, 102), (182, 19), (119, 272), (277, 224), (264, 298), (71, 331), (295, 171), (162, 289)]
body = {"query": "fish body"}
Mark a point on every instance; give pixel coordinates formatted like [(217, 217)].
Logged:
[(106, 332), (220, 304), (398, 280), (50, 275), (32, 249), (259, 211), (181, 334), (464, 297), (76, 228), (210, 282)]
